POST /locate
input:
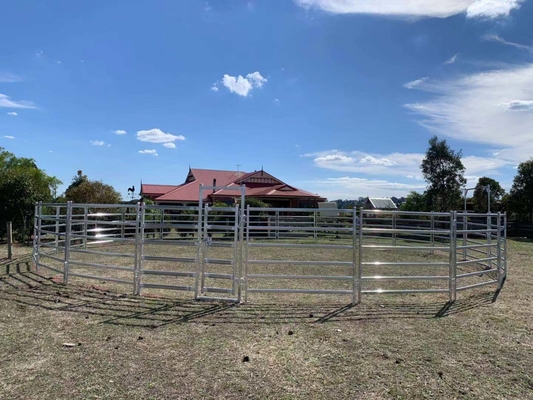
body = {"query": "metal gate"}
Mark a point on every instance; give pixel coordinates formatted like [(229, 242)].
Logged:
[(220, 234)]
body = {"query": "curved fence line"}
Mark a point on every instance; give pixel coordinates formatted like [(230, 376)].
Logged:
[(238, 254)]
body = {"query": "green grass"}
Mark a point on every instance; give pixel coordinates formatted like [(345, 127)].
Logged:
[(168, 347)]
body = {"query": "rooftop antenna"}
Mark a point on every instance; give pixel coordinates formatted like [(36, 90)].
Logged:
[(238, 165)]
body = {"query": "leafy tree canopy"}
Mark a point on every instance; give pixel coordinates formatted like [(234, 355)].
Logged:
[(479, 199), (443, 171)]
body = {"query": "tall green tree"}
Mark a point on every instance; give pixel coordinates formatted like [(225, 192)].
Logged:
[(480, 199), (92, 192), (22, 184), (520, 202), (444, 172), (414, 202)]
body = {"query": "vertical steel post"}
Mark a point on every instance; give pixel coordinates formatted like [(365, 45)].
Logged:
[(162, 223), (360, 255), (314, 226), (205, 247), (453, 257), (236, 225), (432, 238), (245, 266), (139, 241), (57, 228), (465, 236), (123, 227), (277, 224), (393, 228), (85, 225), (199, 244), (36, 235), (356, 295), (68, 228), (505, 244), (9, 228), (489, 237), (240, 228), (499, 265)]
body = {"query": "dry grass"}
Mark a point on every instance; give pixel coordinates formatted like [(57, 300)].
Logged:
[(390, 347)]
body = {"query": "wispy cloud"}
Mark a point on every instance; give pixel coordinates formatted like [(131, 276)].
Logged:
[(152, 152), (13, 113), (498, 39), (489, 108), (6, 102), (452, 59), (7, 77), (347, 187), (240, 85), (518, 105), (395, 164), (120, 132), (39, 53), (97, 142), (416, 83), (9, 137), (417, 8), (156, 135), (169, 145)]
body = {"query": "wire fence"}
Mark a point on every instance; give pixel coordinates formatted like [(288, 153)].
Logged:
[(253, 254)]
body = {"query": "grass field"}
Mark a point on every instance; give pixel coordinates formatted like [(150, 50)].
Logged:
[(291, 346)]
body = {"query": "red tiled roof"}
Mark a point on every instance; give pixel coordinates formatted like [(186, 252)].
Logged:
[(147, 188), (189, 192)]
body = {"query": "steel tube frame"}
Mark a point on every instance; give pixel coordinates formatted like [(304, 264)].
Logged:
[(363, 231)]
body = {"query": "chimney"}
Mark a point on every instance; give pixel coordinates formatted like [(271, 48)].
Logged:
[(214, 184)]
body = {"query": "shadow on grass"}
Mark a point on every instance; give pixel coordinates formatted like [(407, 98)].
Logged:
[(26, 288)]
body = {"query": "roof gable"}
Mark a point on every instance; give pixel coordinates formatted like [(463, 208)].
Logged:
[(259, 177)]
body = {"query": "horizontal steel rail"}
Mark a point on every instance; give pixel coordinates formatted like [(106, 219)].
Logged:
[(101, 253), (321, 277), (476, 285), (302, 246), (167, 287), (169, 273), (50, 268), (303, 291), (170, 259), (101, 278), (404, 277), (477, 273), (102, 266), (405, 264), (291, 262), (403, 291)]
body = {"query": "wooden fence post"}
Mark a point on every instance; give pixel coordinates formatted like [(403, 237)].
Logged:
[(9, 227)]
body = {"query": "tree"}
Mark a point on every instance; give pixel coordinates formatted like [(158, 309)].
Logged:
[(443, 171), (520, 200), (414, 202), (479, 199), (22, 184), (91, 192)]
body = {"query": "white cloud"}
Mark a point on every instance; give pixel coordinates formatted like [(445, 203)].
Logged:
[(487, 108), (373, 164), (156, 135), (152, 152), (97, 142), (416, 8), (169, 145), (406, 165), (7, 78), (9, 137), (518, 105), (452, 59), (13, 113), (415, 84), (39, 53), (214, 88), (120, 132), (6, 102), (241, 85), (347, 187), (498, 39), (276, 101), (492, 8)]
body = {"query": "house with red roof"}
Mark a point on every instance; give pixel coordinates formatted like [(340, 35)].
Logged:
[(259, 184)]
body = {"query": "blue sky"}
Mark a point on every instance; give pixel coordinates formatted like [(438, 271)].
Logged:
[(338, 97)]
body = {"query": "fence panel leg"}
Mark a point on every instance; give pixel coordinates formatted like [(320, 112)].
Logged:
[(68, 227), (453, 257)]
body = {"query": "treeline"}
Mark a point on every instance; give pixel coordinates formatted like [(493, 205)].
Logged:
[(23, 183)]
